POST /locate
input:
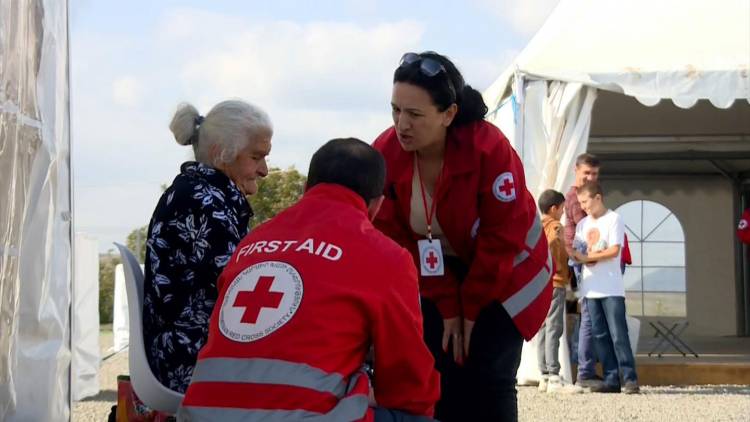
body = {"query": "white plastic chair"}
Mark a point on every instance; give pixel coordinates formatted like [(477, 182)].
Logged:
[(146, 386)]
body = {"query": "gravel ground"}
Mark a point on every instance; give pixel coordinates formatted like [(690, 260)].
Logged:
[(671, 404)]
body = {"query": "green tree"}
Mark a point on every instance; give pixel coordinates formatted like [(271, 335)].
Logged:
[(107, 265), (276, 192), (136, 242)]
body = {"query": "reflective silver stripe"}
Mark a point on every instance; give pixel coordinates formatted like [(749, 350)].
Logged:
[(535, 232), (268, 371), (349, 409), (520, 258), (524, 297), (532, 238)]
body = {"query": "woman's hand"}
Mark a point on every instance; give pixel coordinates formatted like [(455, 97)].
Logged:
[(468, 327), (452, 328)]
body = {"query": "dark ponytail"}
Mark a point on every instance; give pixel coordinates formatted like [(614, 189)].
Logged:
[(445, 88), (471, 108)]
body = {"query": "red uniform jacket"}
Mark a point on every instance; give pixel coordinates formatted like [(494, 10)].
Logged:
[(301, 302), (743, 227), (487, 216)]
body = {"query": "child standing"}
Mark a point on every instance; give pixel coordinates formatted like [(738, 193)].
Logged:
[(551, 203), (603, 289)]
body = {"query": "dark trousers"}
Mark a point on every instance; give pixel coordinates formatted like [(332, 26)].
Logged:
[(484, 388)]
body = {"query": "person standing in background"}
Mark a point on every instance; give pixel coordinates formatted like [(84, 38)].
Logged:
[(551, 205)]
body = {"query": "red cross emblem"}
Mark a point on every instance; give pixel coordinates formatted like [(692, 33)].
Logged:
[(504, 187), (255, 300), (507, 187), (432, 260)]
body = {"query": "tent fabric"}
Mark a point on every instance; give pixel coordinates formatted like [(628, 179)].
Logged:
[(683, 50), (548, 136), (120, 316), (564, 110), (85, 331), (35, 211)]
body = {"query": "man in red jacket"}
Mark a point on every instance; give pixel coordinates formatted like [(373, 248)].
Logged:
[(302, 301)]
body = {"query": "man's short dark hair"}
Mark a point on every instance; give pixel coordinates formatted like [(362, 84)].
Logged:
[(550, 198), (351, 163), (592, 188), (590, 160)]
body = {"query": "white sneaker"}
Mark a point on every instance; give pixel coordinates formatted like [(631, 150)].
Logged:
[(556, 385), (543, 384)]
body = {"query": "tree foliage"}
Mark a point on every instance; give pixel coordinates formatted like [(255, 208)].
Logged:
[(107, 264), (276, 192), (136, 242)]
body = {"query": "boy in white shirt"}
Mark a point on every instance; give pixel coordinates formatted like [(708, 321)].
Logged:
[(603, 289)]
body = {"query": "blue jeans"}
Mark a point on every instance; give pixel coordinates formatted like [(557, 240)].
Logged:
[(586, 351), (611, 340)]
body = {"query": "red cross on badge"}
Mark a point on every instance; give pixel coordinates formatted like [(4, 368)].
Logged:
[(255, 300), (504, 187), (432, 260)]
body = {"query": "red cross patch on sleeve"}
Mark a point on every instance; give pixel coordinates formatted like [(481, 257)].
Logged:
[(504, 187)]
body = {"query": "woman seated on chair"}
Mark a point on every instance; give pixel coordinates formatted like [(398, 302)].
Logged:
[(195, 228)]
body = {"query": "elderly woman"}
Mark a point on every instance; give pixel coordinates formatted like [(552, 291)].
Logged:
[(195, 228)]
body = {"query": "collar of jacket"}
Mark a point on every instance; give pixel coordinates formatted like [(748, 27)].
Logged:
[(216, 178), (336, 193)]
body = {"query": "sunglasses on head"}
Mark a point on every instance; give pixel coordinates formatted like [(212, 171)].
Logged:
[(429, 67)]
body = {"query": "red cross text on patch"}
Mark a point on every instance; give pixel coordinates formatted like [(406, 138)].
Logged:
[(255, 300), (431, 260)]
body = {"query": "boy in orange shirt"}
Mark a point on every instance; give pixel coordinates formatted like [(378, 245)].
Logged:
[(551, 203)]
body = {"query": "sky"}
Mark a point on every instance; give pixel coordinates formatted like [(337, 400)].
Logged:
[(321, 69)]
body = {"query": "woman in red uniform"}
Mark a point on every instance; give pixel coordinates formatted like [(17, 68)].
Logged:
[(456, 198)]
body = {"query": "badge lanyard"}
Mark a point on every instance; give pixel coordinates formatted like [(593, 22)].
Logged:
[(429, 214), (430, 250)]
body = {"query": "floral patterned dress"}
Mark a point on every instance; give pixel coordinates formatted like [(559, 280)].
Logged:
[(194, 230)]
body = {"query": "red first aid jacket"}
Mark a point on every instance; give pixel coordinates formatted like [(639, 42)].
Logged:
[(488, 217), (300, 304), (743, 227)]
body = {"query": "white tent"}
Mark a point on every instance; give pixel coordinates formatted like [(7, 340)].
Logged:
[(35, 212), (85, 354), (681, 50)]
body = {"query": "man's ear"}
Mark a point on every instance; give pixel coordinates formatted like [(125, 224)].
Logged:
[(374, 206)]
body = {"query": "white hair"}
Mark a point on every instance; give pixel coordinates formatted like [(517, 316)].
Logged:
[(230, 125)]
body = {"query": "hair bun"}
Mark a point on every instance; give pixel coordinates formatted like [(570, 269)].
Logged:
[(185, 124)]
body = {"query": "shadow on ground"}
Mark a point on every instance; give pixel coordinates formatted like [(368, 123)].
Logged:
[(104, 395)]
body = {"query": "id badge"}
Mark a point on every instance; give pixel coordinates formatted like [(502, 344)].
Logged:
[(430, 257)]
